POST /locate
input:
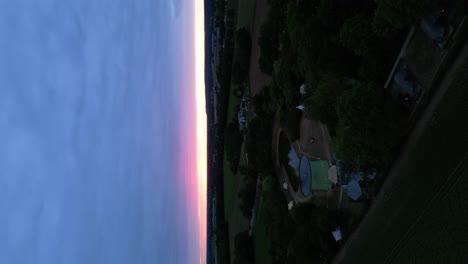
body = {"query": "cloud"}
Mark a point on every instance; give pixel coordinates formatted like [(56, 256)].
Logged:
[(88, 121), (175, 8)]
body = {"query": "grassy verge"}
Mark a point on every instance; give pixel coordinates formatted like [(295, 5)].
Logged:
[(245, 13), (260, 237), (422, 217)]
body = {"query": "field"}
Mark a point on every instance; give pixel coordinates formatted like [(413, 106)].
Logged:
[(246, 9), (421, 214), (232, 183), (261, 242)]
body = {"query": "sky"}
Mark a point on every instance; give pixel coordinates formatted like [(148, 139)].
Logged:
[(102, 132)]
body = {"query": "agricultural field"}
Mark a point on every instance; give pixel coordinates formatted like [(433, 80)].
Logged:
[(408, 223)]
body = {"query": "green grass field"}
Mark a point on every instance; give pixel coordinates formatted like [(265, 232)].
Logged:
[(229, 190), (424, 214), (260, 237), (246, 12)]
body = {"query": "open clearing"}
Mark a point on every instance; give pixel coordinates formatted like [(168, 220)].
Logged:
[(421, 212)]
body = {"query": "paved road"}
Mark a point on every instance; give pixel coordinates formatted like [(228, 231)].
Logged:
[(421, 125)]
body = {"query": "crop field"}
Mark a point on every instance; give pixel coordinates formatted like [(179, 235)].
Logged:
[(423, 214)]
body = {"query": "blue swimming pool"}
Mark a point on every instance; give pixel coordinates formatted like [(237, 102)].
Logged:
[(305, 175)]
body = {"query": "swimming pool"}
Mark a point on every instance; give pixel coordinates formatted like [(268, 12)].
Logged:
[(305, 174)]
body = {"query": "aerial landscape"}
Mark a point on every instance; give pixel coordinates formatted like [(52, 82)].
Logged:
[(233, 131), (337, 131)]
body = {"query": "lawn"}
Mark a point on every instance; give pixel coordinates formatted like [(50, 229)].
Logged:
[(422, 215), (246, 11), (229, 187), (260, 237)]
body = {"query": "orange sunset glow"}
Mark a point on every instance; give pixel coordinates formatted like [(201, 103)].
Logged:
[(201, 124)]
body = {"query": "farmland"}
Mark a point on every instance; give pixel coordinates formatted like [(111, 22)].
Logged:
[(409, 221)]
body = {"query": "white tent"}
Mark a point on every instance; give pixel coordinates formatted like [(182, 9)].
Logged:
[(302, 89), (332, 174), (337, 234), (285, 185), (290, 205), (300, 107)]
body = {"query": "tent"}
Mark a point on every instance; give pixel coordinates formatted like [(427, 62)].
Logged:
[(332, 174), (337, 234), (354, 190), (302, 89)]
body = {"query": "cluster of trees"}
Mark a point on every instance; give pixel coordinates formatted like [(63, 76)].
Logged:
[(243, 249), (234, 140), (240, 67), (269, 40), (258, 148), (336, 49)]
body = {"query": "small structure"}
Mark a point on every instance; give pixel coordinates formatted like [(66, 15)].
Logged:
[(436, 27), (303, 88), (333, 174), (354, 190), (290, 205), (300, 107), (242, 114), (337, 234), (285, 185)]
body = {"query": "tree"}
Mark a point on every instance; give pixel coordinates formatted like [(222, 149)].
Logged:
[(356, 34), (269, 46), (306, 34), (285, 83), (243, 249), (243, 44), (233, 139), (241, 63), (247, 198), (394, 15), (320, 105), (369, 127)]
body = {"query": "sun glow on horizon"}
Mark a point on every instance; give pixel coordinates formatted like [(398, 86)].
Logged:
[(201, 124)]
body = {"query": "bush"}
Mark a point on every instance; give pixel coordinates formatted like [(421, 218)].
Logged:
[(356, 34), (240, 67), (370, 127), (395, 15), (320, 105), (243, 249), (233, 144)]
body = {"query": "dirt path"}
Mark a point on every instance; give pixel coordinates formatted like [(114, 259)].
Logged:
[(257, 79), (421, 125)]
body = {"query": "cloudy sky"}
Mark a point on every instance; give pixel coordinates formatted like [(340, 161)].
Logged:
[(96, 132)]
